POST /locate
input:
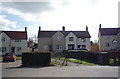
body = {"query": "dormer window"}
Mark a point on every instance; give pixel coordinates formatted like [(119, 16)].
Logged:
[(82, 39), (71, 38)]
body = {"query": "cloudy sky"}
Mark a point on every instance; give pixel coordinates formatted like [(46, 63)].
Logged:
[(53, 14)]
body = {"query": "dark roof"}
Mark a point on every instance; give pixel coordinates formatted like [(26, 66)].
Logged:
[(109, 31), (16, 34), (79, 34)]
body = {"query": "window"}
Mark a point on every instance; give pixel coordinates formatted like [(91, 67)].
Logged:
[(57, 46), (83, 46), (82, 39), (0, 49), (18, 48), (107, 44), (17, 40), (3, 39), (108, 37), (3, 49), (71, 39), (79, 46), (59, 38), (114, 41), (70, 46)]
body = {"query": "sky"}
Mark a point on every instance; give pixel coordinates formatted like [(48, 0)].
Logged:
[(53, 14)]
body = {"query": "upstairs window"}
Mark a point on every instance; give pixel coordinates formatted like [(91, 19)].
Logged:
[(18, 48), (17, 40), (83, 40), (58, 47), (3, 39), (71, 39)]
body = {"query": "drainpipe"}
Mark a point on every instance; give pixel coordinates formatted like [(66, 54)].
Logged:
[(10, 45)]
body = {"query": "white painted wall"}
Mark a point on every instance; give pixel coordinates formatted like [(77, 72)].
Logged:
[(22, 44), (87, 42), (8, 43), (5, 43), (71, 42)]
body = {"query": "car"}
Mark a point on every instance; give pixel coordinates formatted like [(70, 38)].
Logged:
[(79, 49), (83, 49), (9, 57)]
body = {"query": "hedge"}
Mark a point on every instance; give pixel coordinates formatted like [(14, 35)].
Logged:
[(36, 59)]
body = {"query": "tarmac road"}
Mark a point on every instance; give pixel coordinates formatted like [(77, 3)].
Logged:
[(12, 69)]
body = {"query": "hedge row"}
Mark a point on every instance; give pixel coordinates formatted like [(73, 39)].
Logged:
[(93, 57), (39, 59)]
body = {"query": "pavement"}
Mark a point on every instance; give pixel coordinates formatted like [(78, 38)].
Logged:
[(13, 69)]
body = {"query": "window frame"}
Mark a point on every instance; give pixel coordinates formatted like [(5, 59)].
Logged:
[(19, 48), (83, 39), (71, 38), (3, 39), (17, 40)]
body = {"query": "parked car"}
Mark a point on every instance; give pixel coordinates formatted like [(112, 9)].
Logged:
[(9, 57), (79, 49)]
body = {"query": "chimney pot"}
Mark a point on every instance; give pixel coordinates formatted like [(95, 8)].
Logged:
[(100, 26), (86, 28), (25, 28), (39, 28), (63, 28)]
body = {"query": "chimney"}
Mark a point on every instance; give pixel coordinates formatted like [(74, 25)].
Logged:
[(86, 28), (39, 28), (25, 29), (100, 26), (63, 28)]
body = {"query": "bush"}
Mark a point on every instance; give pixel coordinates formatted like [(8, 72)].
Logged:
[(39, 59)]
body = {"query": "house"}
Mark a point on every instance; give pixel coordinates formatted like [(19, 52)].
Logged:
[(58, 41), (109, 39), (13, 42)]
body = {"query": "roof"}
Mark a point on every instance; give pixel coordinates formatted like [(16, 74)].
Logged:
[(109, 31), (16, 34), (79, 34)]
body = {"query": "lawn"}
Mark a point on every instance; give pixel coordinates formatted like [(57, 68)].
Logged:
[(77, 61), (18, 58)]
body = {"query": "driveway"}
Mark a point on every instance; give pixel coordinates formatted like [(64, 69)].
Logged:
[(12, 69)]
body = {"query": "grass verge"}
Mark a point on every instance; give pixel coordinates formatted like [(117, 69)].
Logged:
[(77, 61)]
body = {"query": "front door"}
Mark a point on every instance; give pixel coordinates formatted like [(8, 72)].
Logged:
[(13, 50), (70, 46)]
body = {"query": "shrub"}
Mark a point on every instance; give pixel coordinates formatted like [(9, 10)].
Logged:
[(36, 58)]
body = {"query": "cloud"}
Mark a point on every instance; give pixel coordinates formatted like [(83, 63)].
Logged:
[(6, 24), (73, 14), (28, 7)]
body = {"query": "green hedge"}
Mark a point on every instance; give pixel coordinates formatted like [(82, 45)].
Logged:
[(38, 52), (37, 59)]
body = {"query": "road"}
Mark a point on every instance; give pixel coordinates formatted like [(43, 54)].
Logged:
[(13, 70)]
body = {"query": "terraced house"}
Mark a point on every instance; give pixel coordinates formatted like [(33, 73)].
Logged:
[(63, 40), (13, 42), (109, 39)]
